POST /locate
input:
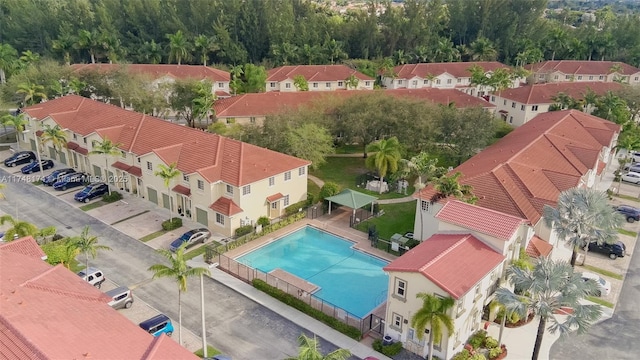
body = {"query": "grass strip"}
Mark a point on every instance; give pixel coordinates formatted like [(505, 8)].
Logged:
[(599, 301), (627, 232), (153, 235), (627, 197), (92, 206), (130, 217), (603, 272), (211, 351)]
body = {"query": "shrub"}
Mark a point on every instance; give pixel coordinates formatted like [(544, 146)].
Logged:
[(490, 342), (298, 304), (294, 208), (329, 189), (264, 221), (462, 355), (172, 224), (477, 339), (244, 230), (495, 352), (113, 197), (389, 350)]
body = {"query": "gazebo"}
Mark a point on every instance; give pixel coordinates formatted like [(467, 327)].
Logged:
[(352, 199)]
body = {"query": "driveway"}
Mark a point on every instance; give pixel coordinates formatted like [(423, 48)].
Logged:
[(235, 324)]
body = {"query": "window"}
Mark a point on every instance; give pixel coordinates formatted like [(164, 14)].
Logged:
[(287, 176), (601, 77), (555, 77), (272, 181), (274, 205), (522, 107), (84, 140), (302, 171), (459, 81), (327, 85), (493, 98), (287, 86), (424, 205), (567, 77), (138, 160), (438, 81), (185, 178), (396, 322), (504, 102), (425, 82), (272, 85), (579, 77), (123, 154), (286, 200), (541, 76), (478, 293), (75, 137), (534, 108), (219, 218), (220, 85), (399, 82), (367, 83), (149, 165), (231, 120), (401, 288), (315, 85), (510, 119), (229, 189), (414, 83), (340, 83), (634, 79), (246, 190), (252, 119), (513, 104), (200, 185), (460, 308), (590, 77), (449, 81)]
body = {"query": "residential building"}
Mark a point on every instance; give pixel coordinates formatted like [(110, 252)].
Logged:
[(254, 108), (318, 78), (449, 75), (583, 70), (223, 183), (168, 73), (519, 105), (48, 312)]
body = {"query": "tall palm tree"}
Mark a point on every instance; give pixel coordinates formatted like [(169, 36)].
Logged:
[(178, 47), (29, 57), (309, 350), (8, 60), (88, 40), (33, 93), (433, 314), (86, 244), (548, 290), (449, 185), (557, 40), (18, 122), (204, 45), (54, 135), (179, 272), (106, 148), (386, 158), (236, 78), (482, 49), (582, 216), (64, 44), (18, 227), (151, 52), (167, 174)]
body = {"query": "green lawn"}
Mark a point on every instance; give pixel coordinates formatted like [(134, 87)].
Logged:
[(211, 351), (599, 301), (627, 232), (603, 272), (350, 149), (627, 197), (313, 189), (92, 206), (153, 235), (397, 218)]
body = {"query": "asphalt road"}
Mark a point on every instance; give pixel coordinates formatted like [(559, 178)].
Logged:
[(235, 325)]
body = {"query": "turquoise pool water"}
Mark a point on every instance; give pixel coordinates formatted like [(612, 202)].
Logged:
[(348, 278)]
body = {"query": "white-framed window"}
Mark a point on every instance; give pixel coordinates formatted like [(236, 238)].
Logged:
[(200, 185), (449, 81), (302, 171), (399, 82), (513, 104), (315, 85), (567, 77), (246, 190), (123, 154), (327, 85), (75, 137), (229, 189), (272, 181), (600, 77), (522, 107), (493, 98), (400, 288), (220, 85), (635, 78), (138, 160), (424, 205), (590, 77), (272, 85), (438, 81), (274, 205), (185, 178), (534, 108), (252, 119), (84, 139), (396, 321), (340, 83), (149, 165), (460, 308), (541, 76), (287, 176), (219, 219), (414, 83), (285, 202), (367, 83), (504, 102), (287, 86), (555, 77), (425, 82), (579, 77), (477, 293)]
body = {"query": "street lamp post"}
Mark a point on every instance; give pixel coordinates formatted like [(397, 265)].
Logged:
[(37, 153)]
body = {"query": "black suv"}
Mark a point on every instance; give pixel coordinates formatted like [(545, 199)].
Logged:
[(21, 157), (629, 212), (614, 250)]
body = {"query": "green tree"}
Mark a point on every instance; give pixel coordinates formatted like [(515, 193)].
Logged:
[(182, 100), (18, 123), (64, 45), (300, 83), (89, 41), (449, 185), (310, 350), (557, 41), (613, 108), (86, 244), (168, 174), (236, 78), (582, 216), (28, 58), (310, 142), (179, 48), (54, 135), (335, 50), (204, 45), (547, 291), (8, 60), (433, 314), (203, 102), (107, 149), (17, 227), (180, 272), (386, 158), (255, 78), (483, 49), (463, 132), (351, 82), (32, 93), (151, 52), (328, 190)]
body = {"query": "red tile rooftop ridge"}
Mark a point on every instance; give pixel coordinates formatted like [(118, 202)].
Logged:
[(484, 220)]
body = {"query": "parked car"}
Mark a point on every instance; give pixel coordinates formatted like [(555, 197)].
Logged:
[(157, 325), (71, 181), (93, 276), (629, 212), (33, 166), (635, 155), (631, 177), (604, 287), (121, 297), (614, 251), (91, 192), (56, 176), (191, 238), (21, 157), (633, 167)]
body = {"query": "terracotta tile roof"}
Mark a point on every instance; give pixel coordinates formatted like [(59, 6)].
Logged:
[(213, 156), (274, 197), (315, 73), (543, 93), (26, 246), (538, 247), (529, 167), (225, 206), (180, 189), (455, 69), (51, 313), (157, 71), (77, 148), (133, 170), (269, 103), (483, 220), (601, 167), (453, 262), (581, 67)]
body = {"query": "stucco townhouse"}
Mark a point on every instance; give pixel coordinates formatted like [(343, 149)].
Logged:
[(254, 108), (582, 70), (318, 78), (449, 75), (223, 183), (519, 105)]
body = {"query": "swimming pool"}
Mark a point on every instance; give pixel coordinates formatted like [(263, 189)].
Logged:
[(348, 278)]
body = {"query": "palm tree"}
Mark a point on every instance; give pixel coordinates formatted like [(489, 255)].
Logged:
[(386, 158), (179, 272), (106, 148), (548, 290), (18, 227), (449, 185), (582, 216), (29, 57), (54, 135), (18, 122), (335, 50), (236, 78), (8, 59), (64, 44), (88, 40), (433, 314), (204, 45), (151, 52), (86, 244), (178, 47), (557, 40), (309, 350), (32, 93), (482, 49), (167, 174)]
